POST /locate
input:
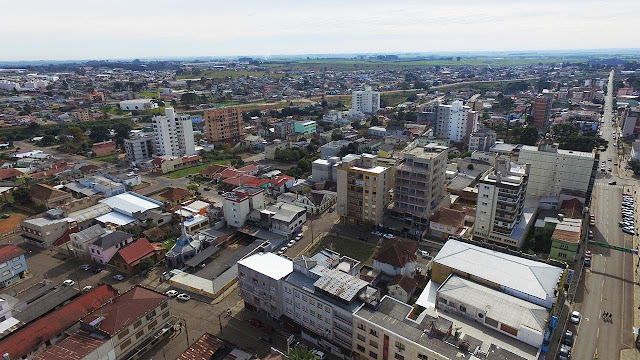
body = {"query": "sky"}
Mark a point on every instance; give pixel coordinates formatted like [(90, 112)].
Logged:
[(117, 29)]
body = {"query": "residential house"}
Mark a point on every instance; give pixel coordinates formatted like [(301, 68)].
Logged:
[(166, 164), (446, 222), (52, 229), (175, 196), (315, 202), (565, 240), (402, 288), (103, 248), (80, 241), (104, 148), (12, 265), (212, 171), (284, 218), (10, 174), (128, 259), (395, 258), (49, 196)]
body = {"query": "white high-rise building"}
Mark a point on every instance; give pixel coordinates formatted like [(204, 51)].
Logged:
[(366, 101), (456, 121), (173, 134)]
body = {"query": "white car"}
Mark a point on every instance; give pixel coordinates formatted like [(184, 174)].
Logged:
[(376, 233), (575, 317), (423, 253), (388, 236), (171, 293), (184, 297), (68, 282), (291, 243), (87, 288), (85, 267), (284, 249), (118, 277)]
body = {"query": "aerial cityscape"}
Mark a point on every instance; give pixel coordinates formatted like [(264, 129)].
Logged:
[(340, 180)]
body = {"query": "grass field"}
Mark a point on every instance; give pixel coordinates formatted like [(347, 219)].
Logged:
[(193, 170), (150, 94), (220, 74), (359, 250), (107, 158)]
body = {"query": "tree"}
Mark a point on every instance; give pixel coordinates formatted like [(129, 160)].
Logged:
[(99, 133), (337, 135), (412, 97), (47, 140), (564, 130), (421, 85), (189, 98), (375, 121), (22, 195), (77, 133), (146, 264), (529, 136), (300, 352), (192, 187), (356, 125), (634, 164), (457, 58), (404, 85)]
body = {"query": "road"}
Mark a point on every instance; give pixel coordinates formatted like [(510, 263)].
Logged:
[(609, 284)]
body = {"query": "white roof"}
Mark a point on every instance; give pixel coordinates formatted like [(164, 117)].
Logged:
[(530, 277), (196, 220), (196, 206), (268, 264), (115, 218), (129, 203)]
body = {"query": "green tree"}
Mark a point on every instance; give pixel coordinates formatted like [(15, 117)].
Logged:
[(146, 264), (77, 133), (337, 135), (300, 352), (356, 125), (564, 130), (189, 98), (404, 85), (47, 140), (529, 136), (192, 187), (634, 164), (99, 133), (22, 195)]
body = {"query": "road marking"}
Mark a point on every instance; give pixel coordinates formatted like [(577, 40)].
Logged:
[(598, 334)]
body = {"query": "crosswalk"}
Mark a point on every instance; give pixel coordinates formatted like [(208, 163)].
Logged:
[(605, 185)]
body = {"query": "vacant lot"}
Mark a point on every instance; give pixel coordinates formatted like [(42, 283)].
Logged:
[(193, 170), (10, 224), (359, 250)]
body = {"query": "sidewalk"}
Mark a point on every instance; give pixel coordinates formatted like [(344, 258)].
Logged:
[(634, 354)]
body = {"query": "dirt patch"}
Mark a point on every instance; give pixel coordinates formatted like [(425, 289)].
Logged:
[(10, 224)]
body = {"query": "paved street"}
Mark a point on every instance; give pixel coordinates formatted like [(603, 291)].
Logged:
[(609, 284)]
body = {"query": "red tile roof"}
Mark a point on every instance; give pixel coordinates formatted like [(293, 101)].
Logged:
[(448, 217), (137, 251), (44, 192), (397, 253), (192, 158), (25, 340), (9, 251), (75, 347), (406, 283), (280, 180), (228, 173), (213, 169), (248, 168), (125, 309), (9, 173), (247, 180), (104, 144), (174, 194), (203, 349)]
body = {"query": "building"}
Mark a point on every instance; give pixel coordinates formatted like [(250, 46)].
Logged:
[(378, 131), (139, 150), (104, 148), (131, 320), (365, 101), (402, 288), (138, 104), (500, 205), (128, 259), (530, 280), (635, 150), (173, 134), (96, 96), (80, 241), (101, 184), (49, 196), (175, 196), (482, 140), (53, 228), (284, 128), (565, 240), (239, 203), (259, 278), (325, 170), (316, 202), (33, 338), (131, 208), (12, 265), (80, 345), (395, 258), (363, 189), (446, 222), (419, 186), (223, 125), (542, 111), (166, 164), (305, 127), (631, 125), (106, 246), (455, 122), (283, 218), (553, 170)]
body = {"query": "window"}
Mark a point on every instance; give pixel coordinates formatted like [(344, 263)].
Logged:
[(137, 324), (312, 301), (164, 306), (151, 315), (373, 332), (361, 348), (139, 334), (361, 327), (373, 355), (125, 344), (152, 324), (400, 345), (373, 344), (463, 308), (165, 315), (124, 333), (480, 315), (398, 356), (361, 338), (422, 357)]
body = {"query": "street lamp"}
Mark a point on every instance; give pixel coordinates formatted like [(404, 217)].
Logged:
[(186, 331), (228, 312)]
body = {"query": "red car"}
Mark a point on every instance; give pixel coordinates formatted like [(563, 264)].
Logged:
[(588, 254), (255, 322)]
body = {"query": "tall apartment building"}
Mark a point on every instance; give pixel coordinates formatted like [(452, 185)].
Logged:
[(500, 205), (366, 101), (239, 203), (139, 149), (631, 125), (173, 134), (542, 111), (284, 128), (553, 170), (455, 122), (482, 140), (363, 189), (223, 125), (419, 186)]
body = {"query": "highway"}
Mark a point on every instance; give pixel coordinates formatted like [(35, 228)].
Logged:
[(608, 284)]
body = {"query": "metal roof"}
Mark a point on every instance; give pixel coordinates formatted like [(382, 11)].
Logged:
[(129, 203)]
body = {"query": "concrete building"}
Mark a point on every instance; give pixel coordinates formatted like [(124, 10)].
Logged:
[(138, 104), (12, 265), (80, 241), (419, 186), (173, 134), (325, 170), (542, 111), (305, 127), (223, 125), (455, 122), (631, 125), (396, 258), (363, 189), (316, 202), (106, 246), (565, 240), (333, 148), (139, 150), (283, 218), (283, 129), (51, 229), (482, 140), (104, 148), (49, 196), (239, 203), (366, 101), (165, 164), (553, 170), (378, 131), (500, 205), (103, 185)]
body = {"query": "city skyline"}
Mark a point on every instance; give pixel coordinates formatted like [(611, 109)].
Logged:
[(147, 29)]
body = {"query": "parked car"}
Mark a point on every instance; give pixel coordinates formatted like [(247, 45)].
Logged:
[(85, 267), (331, 210), (6, 216), (588, 254), (575, 317), (291, 243), (284, 249), (118, 277), (68, 282), (565, 351), (87, 288), (590, 234), (423, 253), (587, 262), (567, 339), (96, 269), (388, 236), (183, 297), (206, 188), (171, 293), (612, 182), (318, 354), (376, 233), (255, 322)]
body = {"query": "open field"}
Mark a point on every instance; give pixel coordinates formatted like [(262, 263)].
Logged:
[(8, 225), (220, 74), (107, 158), (193, 170), (359, 250)]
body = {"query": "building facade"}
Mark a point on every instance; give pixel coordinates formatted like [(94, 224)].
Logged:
[(173, 134), (223, 125), (12, 265), (139, 150), (305, 127), (482, 140), (366, 101), (542, 111), (455, 122)]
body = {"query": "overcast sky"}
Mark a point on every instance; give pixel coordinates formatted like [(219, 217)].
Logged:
[(72, 29)]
